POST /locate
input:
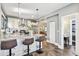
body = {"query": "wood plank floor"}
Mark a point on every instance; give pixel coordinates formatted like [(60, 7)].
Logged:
[(51, 50)]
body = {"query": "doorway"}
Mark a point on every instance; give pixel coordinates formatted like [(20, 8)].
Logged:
[(69, 32)]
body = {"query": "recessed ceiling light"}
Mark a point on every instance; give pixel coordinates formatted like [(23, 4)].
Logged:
[(32, 16)]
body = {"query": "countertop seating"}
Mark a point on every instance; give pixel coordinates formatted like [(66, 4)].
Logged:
[(20, 49), (28, 42), (5, 45)]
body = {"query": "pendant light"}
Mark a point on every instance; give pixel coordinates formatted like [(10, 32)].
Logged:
[(37, 14), (21, 20)]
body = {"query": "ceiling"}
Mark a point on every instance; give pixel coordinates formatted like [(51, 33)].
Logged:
[(28, 10)]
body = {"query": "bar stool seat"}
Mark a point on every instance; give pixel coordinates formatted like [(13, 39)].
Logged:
[(28, 42), (40, 40), (8, 45)]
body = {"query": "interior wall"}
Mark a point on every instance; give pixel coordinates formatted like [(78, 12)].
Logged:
[(1, 13), (1, 33), (72, 8), (54, 19)]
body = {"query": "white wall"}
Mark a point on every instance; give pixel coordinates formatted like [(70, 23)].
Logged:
[(1, 13), (0, 20), (53, 19), (72, 8)]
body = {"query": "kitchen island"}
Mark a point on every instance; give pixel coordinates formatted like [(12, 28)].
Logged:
[(20, 49)]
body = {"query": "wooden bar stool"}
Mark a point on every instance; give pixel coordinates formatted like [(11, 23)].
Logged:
[(8, 45), (28, 42)]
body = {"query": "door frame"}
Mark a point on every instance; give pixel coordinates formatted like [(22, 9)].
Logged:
[(62, 29)]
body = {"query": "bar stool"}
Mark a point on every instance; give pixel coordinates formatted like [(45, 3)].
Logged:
[(28, 42), (40, 40), (8, 45)]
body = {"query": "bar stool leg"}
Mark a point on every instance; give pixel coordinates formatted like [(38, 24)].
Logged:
[(27, 49), (9, 52), (39, 45), (28, 54)]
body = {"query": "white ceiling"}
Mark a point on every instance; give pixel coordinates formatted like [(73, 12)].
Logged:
[(28, 10)]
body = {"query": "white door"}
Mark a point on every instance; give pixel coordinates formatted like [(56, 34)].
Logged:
[(52, 32)]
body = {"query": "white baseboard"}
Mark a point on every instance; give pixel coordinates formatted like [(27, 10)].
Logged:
[(59, 46)]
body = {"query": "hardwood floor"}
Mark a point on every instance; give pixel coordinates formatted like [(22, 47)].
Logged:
[(52, 50)]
